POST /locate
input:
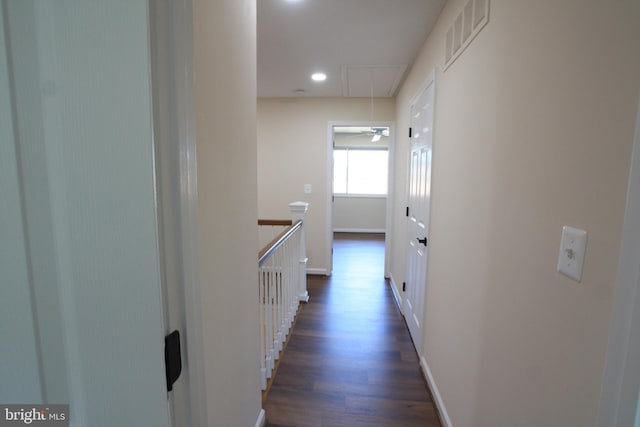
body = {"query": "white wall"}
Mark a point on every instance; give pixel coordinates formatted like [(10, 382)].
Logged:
[(533, 131), (294, 131), (225, 92), (359, 214)]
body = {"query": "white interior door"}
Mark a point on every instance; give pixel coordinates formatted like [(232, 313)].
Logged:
[(79, 211), (419, 199)]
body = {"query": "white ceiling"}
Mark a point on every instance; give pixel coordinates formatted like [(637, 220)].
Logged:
[(364, 46)]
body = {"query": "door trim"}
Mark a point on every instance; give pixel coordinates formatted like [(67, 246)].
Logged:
[(430, 79), (390, 183), (182, 133), (624, 343)]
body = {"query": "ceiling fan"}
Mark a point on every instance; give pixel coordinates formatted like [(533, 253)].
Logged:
[(378, 133)]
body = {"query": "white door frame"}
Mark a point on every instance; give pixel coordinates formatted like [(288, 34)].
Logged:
[(619, 393), (390, 182), (171, 42)]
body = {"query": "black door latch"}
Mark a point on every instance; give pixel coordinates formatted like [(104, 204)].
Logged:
[(172, 358), (423, 241)]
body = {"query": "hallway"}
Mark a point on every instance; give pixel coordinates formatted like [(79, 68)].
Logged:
[(350, 360)]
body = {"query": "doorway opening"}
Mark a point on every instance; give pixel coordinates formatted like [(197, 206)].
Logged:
[(360, 159)]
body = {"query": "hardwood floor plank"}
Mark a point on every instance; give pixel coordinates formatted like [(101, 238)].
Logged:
[(350, 360)]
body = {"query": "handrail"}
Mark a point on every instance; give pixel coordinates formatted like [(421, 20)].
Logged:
[(281, 222), (269, 249)]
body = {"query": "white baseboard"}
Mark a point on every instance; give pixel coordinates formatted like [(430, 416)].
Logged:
[(444, 416), (396, 294), (262, 419), (359, 230), (317, 271)]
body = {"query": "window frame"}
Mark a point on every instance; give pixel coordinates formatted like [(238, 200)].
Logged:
[(361, 195)]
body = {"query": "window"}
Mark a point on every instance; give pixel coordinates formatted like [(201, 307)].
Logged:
[(360, 171)]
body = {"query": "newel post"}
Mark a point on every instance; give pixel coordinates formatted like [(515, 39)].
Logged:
[(298, 211)]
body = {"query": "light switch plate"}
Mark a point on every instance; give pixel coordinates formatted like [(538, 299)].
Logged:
[(572, 249), (307, 188)]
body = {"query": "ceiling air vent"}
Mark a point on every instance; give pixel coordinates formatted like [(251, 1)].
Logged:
[(473, 17)]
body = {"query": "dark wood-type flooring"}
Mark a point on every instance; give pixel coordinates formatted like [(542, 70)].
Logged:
[(350, 360)]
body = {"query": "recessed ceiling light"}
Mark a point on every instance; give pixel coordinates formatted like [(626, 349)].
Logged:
[(318, 77)]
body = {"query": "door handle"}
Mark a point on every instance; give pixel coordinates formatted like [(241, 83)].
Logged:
[(423, 241)]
